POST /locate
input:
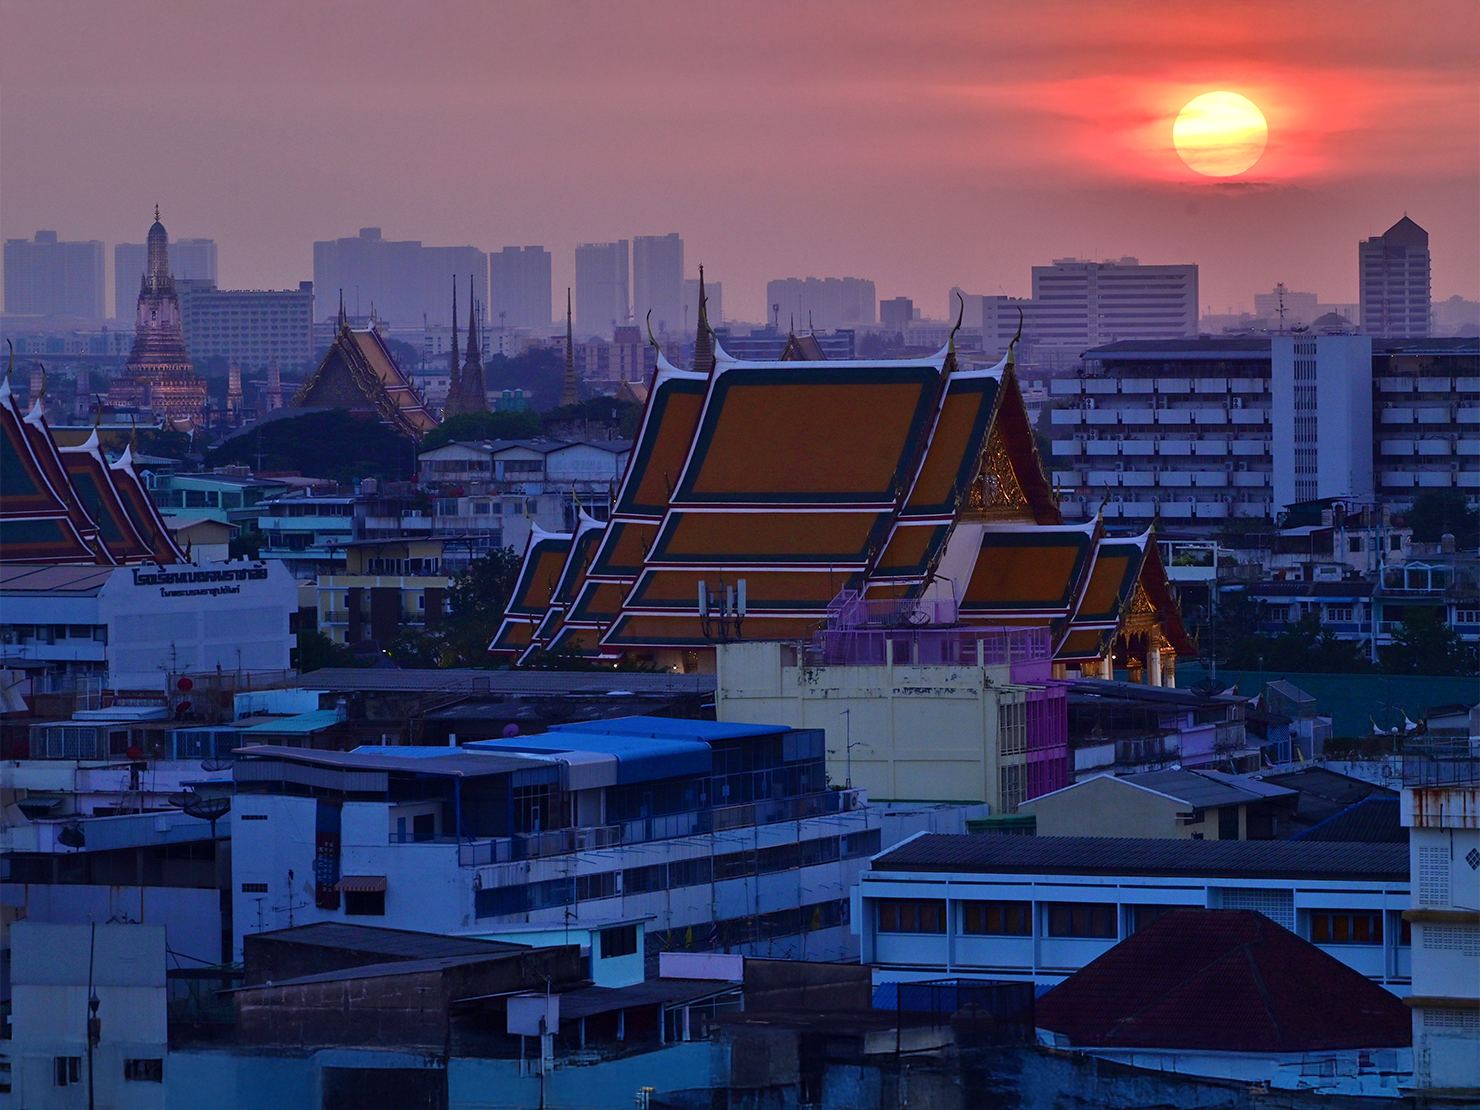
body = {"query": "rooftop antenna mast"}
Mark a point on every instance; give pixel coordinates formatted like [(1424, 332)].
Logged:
[(1280, 290)]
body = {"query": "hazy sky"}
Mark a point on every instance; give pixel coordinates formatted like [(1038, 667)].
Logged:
[(918, 144)]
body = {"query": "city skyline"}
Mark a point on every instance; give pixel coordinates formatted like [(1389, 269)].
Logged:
[(937, 146)]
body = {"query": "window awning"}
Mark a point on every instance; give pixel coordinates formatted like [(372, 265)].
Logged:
[(360, 884)]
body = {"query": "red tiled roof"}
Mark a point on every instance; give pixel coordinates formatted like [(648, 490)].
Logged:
[(1226, 981)]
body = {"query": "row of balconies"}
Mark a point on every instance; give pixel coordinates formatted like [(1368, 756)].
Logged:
[(1432, 414), (1119, 445), (1147, 416), (1448, 478), (1444, 385), (1063, 387), (1170, 510), (1451, 445), (1168, 479)]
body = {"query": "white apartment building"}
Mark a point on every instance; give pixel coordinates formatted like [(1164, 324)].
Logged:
[(252, 327), (1426, 422), (1441, 796), (1041, 907), (1174, 428), (1085, 304), (1321, 417)]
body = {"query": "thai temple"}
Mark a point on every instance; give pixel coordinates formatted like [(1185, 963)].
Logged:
[(159, 374), (466, 391), (69, 505), (359, 374), (781, 500)]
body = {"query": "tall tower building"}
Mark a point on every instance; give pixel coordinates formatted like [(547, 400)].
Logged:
[(519, 288), (1394, 275), (657, 281), (602, 301), (47, 277), (402, 280), (159, 374)]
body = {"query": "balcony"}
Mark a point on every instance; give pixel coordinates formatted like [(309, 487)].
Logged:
[(1450, 763), (694, 822)]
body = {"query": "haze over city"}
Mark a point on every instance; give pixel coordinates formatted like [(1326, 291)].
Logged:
[(919, 145)]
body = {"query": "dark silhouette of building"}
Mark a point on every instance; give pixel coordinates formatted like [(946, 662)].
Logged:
[(1395, 282)]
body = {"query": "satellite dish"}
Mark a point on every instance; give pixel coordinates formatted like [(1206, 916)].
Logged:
[(215, 764), (181, 799), (72, 835), (184, 684), (208, 809)]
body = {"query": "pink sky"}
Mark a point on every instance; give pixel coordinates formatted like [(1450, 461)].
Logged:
[(919, 144)]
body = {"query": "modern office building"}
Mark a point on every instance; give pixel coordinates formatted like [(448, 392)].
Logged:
[(603, 302), (519, 288), (190, 260), (1085, 304), (1321, 417), (657, 283), (252, 327), (1426, 422), (1393, 270), (402, 280), (1283, 308), (1175, 428), (820, 304), (47, 277)]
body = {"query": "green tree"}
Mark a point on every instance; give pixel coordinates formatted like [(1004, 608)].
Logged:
[(321, 444), (1437, 511), (477, 426), (476, 601), (316, 651), (1425, 645)]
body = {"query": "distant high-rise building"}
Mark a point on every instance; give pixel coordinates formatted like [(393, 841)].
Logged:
[(252, 327), (714, 296), (602, 303), (405, 282), (190, 260), (894, 314), (519, 288), (820, 304), (1083, 304), (47, 277), (159, 374), (1286, 307), (657, 282), (1395, 284)]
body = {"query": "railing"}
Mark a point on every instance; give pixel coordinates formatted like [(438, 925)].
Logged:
[(959, 646), (645, 829), (1441, 764)]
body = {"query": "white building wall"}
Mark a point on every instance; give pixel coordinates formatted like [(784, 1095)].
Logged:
[(1321, 416), (52, 967)]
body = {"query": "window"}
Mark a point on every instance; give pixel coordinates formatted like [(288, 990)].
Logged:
[(68, 1070), (364, 903), (860, 843), (601, 885), (1345, 927), (1012, 781), (1354, 544), (925, 916), (1338, 613), (254, 888), (1081, 919), (1011, 919), (1141, 916), (1467, 616), (618, 941), (1395, 543), (144, 1071), (1012, 727)]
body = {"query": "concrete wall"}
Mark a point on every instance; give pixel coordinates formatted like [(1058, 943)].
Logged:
[(1107, 806), (918, 733)]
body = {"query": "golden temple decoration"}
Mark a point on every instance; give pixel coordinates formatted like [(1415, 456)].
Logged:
[(996, 493)]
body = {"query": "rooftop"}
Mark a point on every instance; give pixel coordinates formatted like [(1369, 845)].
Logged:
[(1106, 855), (1252, 347), (1226, 981), (400, 944), (473, 681)]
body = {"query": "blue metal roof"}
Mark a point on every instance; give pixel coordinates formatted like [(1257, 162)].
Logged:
[(316, 721), (671, 727)]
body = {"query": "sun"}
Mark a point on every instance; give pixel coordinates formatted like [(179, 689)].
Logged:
[(1220, 134)]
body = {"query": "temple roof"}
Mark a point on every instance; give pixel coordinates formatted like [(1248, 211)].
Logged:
[(360, 374)]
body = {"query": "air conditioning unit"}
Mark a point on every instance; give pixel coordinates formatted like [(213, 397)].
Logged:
[(1089, 402)]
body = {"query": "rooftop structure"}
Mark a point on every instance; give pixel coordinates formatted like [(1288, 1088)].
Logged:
[(1196, 805), (69, 505), (759, 495), (360, 374)]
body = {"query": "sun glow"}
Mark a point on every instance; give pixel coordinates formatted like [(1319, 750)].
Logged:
[(1220, 134)]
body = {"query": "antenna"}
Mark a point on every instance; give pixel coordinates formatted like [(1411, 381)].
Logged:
[(1280, 291)]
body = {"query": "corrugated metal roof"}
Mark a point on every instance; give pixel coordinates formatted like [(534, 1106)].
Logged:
[(468, 680), (671, 727), (456, 762), (604, 1000), (403, 943), (315, 721), (1208, 789), (29, 578), (1109, 855)]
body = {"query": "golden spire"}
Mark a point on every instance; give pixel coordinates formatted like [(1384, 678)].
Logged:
[(156, 213)]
